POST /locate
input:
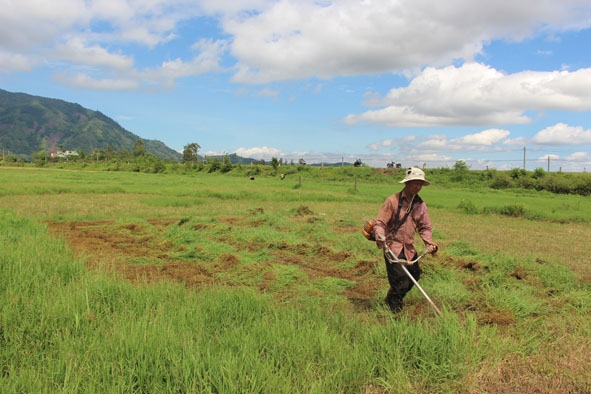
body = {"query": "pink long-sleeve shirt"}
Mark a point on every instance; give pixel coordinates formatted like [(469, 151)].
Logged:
[(418, 221)]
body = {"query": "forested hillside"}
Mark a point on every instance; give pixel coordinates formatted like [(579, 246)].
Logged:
[(28, 123)]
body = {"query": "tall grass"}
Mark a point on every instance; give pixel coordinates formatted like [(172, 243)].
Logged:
[(68, 330), (64, 328)]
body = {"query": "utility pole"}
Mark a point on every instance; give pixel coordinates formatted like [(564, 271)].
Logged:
[(524, 157), (548, 163)]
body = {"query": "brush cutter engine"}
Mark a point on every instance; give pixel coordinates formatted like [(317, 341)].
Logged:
[(368, 230)]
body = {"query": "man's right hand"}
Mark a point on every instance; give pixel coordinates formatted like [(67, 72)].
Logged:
[(380, 241)]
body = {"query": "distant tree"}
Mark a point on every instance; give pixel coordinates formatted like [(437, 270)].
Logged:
[(190, 153), (139, 148), (226, 164), (460, 171), (460, 165), (214, 164), (96, 155), (275, 163), (40, 157), (110, 151), (539, 173)]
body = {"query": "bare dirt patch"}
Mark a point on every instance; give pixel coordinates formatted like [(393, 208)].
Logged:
[(141, 253), (129, 250)]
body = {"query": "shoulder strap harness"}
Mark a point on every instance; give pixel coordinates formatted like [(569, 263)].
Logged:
[(399, 222)]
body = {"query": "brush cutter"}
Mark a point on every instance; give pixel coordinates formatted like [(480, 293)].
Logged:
[(392, 259)]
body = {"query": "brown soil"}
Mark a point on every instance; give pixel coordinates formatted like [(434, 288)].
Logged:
[(140, 254)]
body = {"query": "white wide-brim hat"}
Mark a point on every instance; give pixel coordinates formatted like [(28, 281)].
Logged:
[(415, 174)]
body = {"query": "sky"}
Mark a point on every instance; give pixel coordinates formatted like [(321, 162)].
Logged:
[(503, 84)]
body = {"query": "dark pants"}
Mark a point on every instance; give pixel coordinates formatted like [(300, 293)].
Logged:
[(400, 283)]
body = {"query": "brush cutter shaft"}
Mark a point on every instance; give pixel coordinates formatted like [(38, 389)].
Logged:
[(421, 289)]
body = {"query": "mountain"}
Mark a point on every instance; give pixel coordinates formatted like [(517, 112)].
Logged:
[(28, 123)]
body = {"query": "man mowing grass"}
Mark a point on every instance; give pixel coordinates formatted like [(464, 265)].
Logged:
[(401, 215)]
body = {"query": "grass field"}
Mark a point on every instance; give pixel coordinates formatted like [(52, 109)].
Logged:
[(147, 283)]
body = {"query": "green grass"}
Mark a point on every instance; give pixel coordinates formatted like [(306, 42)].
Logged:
[(70, 330), (527, 204), (285, 267)]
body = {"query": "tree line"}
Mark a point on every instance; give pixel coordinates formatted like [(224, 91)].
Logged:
[(139, 160)]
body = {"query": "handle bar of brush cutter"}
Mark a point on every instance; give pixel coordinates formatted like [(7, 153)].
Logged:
[(395, 260)]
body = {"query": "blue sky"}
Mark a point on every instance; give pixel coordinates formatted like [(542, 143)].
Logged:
[(417, 82)]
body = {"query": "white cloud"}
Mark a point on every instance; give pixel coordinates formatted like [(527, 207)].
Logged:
[(78, 52), (487, 137), (207, 60), (485, 140), (551, 156), (436, 143), (275, 40), (475, 94), (79, 34), (377, 145), (579, 156), (295, 40), (265, 153), (432, 158), (563, 134), (14, 62), (82, 80), (519, 141), (145, 22), (118, 72), (25, 24)]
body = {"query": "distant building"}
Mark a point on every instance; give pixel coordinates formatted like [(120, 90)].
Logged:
[(64, 154)]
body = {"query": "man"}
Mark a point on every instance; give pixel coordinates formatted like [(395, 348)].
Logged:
[(401, 215)]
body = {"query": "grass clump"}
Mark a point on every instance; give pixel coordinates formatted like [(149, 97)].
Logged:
[(468, 207)]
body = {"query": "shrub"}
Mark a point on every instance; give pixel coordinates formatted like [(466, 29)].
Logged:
[(515, 210), (582, 186), (527, 183), (539, 173), (214, 165), (501, 181), (468, 207), (254, 170), (517, 173), (556, 184)]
